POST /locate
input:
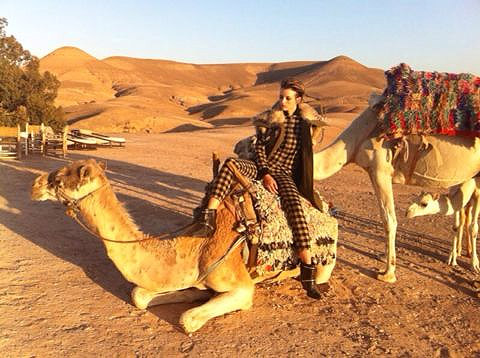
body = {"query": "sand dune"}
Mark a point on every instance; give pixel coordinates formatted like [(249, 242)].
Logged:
[(121, 94)]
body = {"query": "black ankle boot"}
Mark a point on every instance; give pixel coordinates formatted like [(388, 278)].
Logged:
[(307, 278), (206, 224)]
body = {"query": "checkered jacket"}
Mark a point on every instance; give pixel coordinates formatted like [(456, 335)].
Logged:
[(270, 132)]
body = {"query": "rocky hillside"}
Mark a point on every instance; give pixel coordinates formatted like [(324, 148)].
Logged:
[(123, 94)]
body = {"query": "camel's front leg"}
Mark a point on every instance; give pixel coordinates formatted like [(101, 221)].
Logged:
[(382, 183), (457, 239), (236, 293), (473, 235), (143, 298), (460, 227), (468, 232)]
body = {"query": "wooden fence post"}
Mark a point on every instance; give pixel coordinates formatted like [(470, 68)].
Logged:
[(19, 143), (64, 141), (43, 138), (26, 139)]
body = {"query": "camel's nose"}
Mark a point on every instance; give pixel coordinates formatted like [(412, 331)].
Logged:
[(410, 213), (39, 187)]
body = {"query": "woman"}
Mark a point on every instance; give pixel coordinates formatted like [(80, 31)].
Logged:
[(284, 163)]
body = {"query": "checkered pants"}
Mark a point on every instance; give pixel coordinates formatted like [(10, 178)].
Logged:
[(289, 196)]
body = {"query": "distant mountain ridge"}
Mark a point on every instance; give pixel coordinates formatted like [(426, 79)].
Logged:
[(130, 94)]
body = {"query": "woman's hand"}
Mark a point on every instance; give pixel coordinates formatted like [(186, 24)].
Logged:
[(270, 184)]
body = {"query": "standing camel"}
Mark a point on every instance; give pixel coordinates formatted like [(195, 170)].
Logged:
[(464, 202), (435, 161)]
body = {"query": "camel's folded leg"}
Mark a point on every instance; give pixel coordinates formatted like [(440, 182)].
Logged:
[(237, 299), (324, 272), (277, 276), (143, 298), (235, 288)]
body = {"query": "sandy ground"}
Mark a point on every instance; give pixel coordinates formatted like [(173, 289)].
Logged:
[(61, 296)]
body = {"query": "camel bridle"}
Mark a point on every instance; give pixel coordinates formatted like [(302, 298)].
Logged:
[(73, 208)]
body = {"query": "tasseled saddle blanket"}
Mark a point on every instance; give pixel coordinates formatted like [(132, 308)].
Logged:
[(275, 247), (418, 102)]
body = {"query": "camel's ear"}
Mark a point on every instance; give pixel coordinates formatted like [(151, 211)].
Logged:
[(102, 164), (436, 196), (84, 171)]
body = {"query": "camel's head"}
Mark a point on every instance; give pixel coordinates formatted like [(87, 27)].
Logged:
[(245, 148), (72, 182), (269, 117), (424, 204)]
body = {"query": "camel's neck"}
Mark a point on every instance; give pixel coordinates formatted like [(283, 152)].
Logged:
[(445, 206), (149, 264), (330, 160), (106, 216)]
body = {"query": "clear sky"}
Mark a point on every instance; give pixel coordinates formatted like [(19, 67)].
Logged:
[(442, 35)]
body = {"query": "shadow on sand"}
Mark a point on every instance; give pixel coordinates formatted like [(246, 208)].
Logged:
[(148, 195), (427, 246)]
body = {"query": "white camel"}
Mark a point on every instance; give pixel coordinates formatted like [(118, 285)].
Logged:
[(164, 269), (464, 202), (445, 161)]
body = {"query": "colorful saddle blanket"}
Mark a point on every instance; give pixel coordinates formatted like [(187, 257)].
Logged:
[(275, 248), (418, 102)]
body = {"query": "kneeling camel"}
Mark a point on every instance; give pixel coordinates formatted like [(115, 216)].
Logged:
[(164, 270)]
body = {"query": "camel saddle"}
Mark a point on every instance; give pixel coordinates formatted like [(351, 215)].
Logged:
[(261, 220)]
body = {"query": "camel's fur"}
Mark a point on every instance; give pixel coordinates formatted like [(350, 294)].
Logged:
[(464, 202), (432, 161), (164, 270)]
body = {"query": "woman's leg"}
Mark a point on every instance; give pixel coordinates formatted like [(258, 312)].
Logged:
[(291, 204), (224, 179), (206, 224)]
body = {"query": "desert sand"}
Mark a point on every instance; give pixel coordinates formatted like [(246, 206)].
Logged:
[(61, 296)]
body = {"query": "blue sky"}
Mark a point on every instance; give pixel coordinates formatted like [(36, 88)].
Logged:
[(442, 35)]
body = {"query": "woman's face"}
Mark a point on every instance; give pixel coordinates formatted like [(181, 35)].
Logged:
[(288, 100)]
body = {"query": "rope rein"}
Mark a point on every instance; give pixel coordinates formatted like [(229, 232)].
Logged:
[(240, 239), (73, 208)]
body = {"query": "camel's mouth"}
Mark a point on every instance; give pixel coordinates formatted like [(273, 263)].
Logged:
[(40, 189), (45, 187), (409, 214)]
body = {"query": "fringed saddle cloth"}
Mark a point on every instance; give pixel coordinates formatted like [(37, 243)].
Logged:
[(418, 102), (270, 238)]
